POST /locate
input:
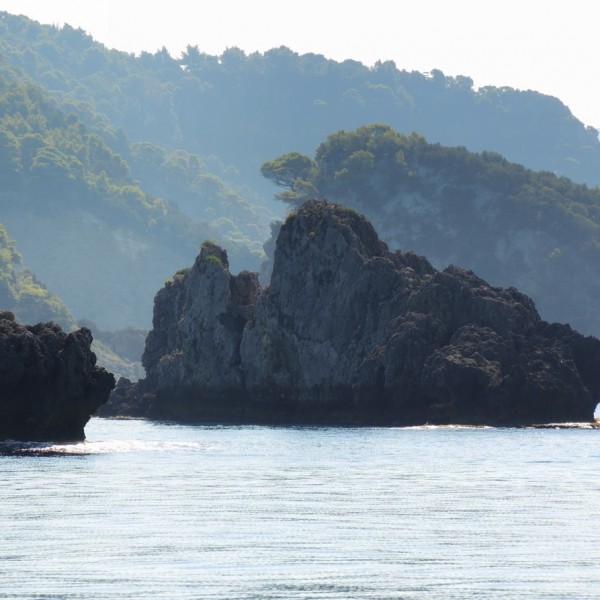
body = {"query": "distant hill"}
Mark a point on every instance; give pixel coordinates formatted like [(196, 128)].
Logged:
[(245, 109), (87, 228), (22, 294), (513, 226), (30, 301)]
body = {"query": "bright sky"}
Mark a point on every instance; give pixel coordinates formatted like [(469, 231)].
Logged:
[(551, 46)]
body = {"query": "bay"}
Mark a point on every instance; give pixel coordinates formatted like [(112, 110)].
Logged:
[(156, 510)]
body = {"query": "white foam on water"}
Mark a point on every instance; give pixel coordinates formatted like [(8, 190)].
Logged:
[(436, 427), (100, 447)]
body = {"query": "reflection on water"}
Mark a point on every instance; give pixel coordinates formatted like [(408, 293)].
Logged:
[(16, 448), (144, 510)]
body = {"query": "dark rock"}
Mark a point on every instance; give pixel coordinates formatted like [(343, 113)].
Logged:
[(126, 399), (193, 349), (349, 332), (49, 382)]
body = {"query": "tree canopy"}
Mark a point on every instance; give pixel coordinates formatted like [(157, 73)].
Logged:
[(246, 108), (287, 168)]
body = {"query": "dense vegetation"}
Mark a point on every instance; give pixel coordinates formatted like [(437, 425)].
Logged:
[(247, 108), (73, 205), (47, 156), (50, 158), (184, 180), (513, 226)]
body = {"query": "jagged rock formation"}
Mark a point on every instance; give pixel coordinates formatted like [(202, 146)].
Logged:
[(206, 299), (349, 332), (49, 382)]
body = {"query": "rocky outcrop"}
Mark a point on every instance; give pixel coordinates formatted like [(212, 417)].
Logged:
[(193, 350), (49, 382), (349, 332)]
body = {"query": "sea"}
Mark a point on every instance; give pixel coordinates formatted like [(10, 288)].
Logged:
[(164, 511)]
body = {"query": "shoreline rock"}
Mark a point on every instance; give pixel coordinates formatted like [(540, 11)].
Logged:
[(49, 382), (351, 333)]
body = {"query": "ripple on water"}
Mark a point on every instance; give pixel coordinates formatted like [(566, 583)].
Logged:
[(147, 510)]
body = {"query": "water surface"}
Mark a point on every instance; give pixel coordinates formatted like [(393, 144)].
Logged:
[(146, 510)]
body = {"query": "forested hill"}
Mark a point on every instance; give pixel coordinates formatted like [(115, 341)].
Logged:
[(511, 225), (246, 109), (88, 230)]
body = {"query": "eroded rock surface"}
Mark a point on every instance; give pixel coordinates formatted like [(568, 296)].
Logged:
[(193, 350), (349, 332), (49, 382)]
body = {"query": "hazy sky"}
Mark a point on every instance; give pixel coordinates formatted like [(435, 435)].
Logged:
[(550, 46)]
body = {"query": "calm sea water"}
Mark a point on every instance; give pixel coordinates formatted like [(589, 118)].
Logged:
[(146, 510)]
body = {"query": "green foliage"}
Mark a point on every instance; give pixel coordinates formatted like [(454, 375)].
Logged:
[(65, 143), (351, 211), (51, 167), (212, 253), (52, 158), (181, 274), (10, 161), (240, 106), (286, 169), (184, 179), (348, 162), (23, 294), (76, 183), (213, 259), (373, 163), (294, 171)]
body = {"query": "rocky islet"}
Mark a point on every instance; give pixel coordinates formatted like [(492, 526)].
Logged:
[(49, 382), (348, 332)]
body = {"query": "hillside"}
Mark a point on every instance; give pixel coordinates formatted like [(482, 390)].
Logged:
[(31, 302), (22, 294), (245, 109), (87, 227), (513, 226)]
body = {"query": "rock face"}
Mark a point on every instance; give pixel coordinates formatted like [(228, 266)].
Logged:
[(49, 382), (193, 349), (349, 332)]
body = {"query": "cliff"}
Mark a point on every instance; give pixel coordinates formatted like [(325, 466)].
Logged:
[(49, 382), (194, 346), (349, 332)]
